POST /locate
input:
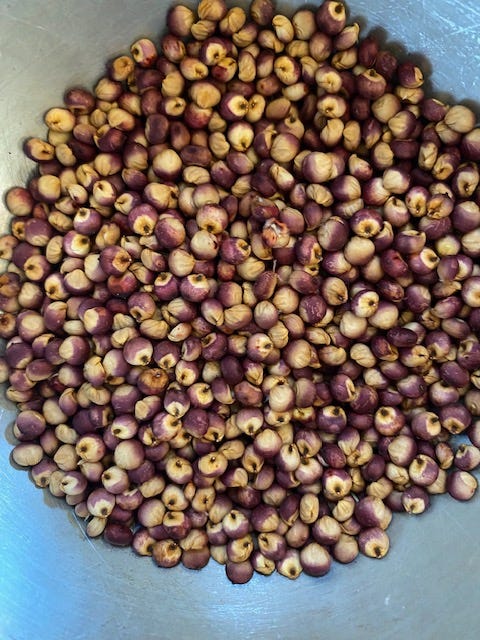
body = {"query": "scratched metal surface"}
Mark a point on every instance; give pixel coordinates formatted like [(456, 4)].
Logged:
[(54, 583)]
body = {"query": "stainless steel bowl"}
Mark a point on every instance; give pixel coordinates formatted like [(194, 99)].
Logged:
[(57, 584)]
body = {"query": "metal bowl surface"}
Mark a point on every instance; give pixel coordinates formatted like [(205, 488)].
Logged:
[(55, 583)]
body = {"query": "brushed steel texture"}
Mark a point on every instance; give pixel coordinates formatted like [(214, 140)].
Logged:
[(55, 583)]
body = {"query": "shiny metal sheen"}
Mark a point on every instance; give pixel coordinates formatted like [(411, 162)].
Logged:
[(55, 584)]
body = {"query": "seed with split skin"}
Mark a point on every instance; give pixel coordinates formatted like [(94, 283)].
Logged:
[(166, 553), (96, 526), (373, 542), (73, 483), (90, 448), (115, 260), (138, 351), (49, 187), (129, 454), (42, 471), (144, 52), (461, 485), (240, 549), (143, 543), (415, 500), (100, 503), (259, 346), (336, 484), (235, 524), (39, 150), (27, 454), (315, 559), (290, 565), (167, 164), (115, 480), (233, 106), (205, 94), (212, 464), (59, 119)]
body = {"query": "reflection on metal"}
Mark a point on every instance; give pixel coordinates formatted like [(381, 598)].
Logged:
[(54, 584)]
